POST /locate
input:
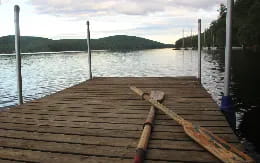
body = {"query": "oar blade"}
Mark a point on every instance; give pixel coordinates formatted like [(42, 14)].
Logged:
[(218, 147), (157, 95)]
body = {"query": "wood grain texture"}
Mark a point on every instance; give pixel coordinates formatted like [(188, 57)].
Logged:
[(101, 120)]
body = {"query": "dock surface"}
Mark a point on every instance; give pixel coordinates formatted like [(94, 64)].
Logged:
[(101, 120)]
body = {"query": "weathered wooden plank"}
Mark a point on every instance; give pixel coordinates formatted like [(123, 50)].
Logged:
[(96, 140), (73, 139), (69, 148), (102, 151), (104, 112), (80, 111), (182, 156), (109, 126), (33, 156), (129, 116), (105, 133), (101, 121), (3, 160), (86, 107), (32, 118)]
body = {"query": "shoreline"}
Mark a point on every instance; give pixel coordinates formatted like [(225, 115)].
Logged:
[(59, 52)]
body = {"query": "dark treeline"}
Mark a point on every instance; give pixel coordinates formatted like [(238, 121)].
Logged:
[(38, 44), (246, 27)]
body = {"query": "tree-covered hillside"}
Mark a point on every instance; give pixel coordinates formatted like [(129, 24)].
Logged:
[(38, 44), (246, 26)]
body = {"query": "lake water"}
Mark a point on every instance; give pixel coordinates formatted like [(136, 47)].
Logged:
[(45, 74)]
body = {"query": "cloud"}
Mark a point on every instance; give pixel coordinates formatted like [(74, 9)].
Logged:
[(112, 7), (197, 4), (162, 20)]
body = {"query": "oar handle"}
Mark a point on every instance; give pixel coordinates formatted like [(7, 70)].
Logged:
[(148, 125), (139, 92), (139, 156)]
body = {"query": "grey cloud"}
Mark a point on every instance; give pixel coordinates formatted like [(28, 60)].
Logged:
[(111, 7), (198, 4)]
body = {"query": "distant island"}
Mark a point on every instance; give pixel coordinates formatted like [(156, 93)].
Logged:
[(246, 27), (119, 42)]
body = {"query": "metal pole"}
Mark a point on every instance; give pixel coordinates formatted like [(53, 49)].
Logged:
[(18, 55), (226, 101), (205, 44), (89, 52), (183, 39), (191, 39), (213, 41), (228, 49), (211, 35), (199, 50)]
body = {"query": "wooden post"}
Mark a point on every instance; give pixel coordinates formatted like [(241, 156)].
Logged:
[(199, 50), (89, 51), (18, 54)]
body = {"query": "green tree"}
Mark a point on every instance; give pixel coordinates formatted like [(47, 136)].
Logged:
[(246, 25), (222, 10)]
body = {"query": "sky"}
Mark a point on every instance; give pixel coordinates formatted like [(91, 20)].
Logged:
[(160, 20)]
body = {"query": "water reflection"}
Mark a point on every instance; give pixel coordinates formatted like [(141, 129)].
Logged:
[(142, 63), (44, 74), (245, 89)]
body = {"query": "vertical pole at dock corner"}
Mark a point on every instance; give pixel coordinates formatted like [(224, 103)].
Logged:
[(89, 51), (191, 39), (226, 101), (205, 44), (18, 54), (199, 50), (183, 43), (213, 41)]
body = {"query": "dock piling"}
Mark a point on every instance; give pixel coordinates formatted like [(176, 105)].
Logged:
[(191, 41), (183, 41), (226, 103), (89, 50), (18, 54), (205, 44), (199, 50)]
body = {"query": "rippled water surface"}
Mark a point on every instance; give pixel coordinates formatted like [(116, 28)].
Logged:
[(44, 74)]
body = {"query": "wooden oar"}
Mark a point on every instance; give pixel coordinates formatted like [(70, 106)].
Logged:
[(148, 125), (217, 146)]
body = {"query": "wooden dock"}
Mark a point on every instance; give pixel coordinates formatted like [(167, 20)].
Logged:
[(101, 120)]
